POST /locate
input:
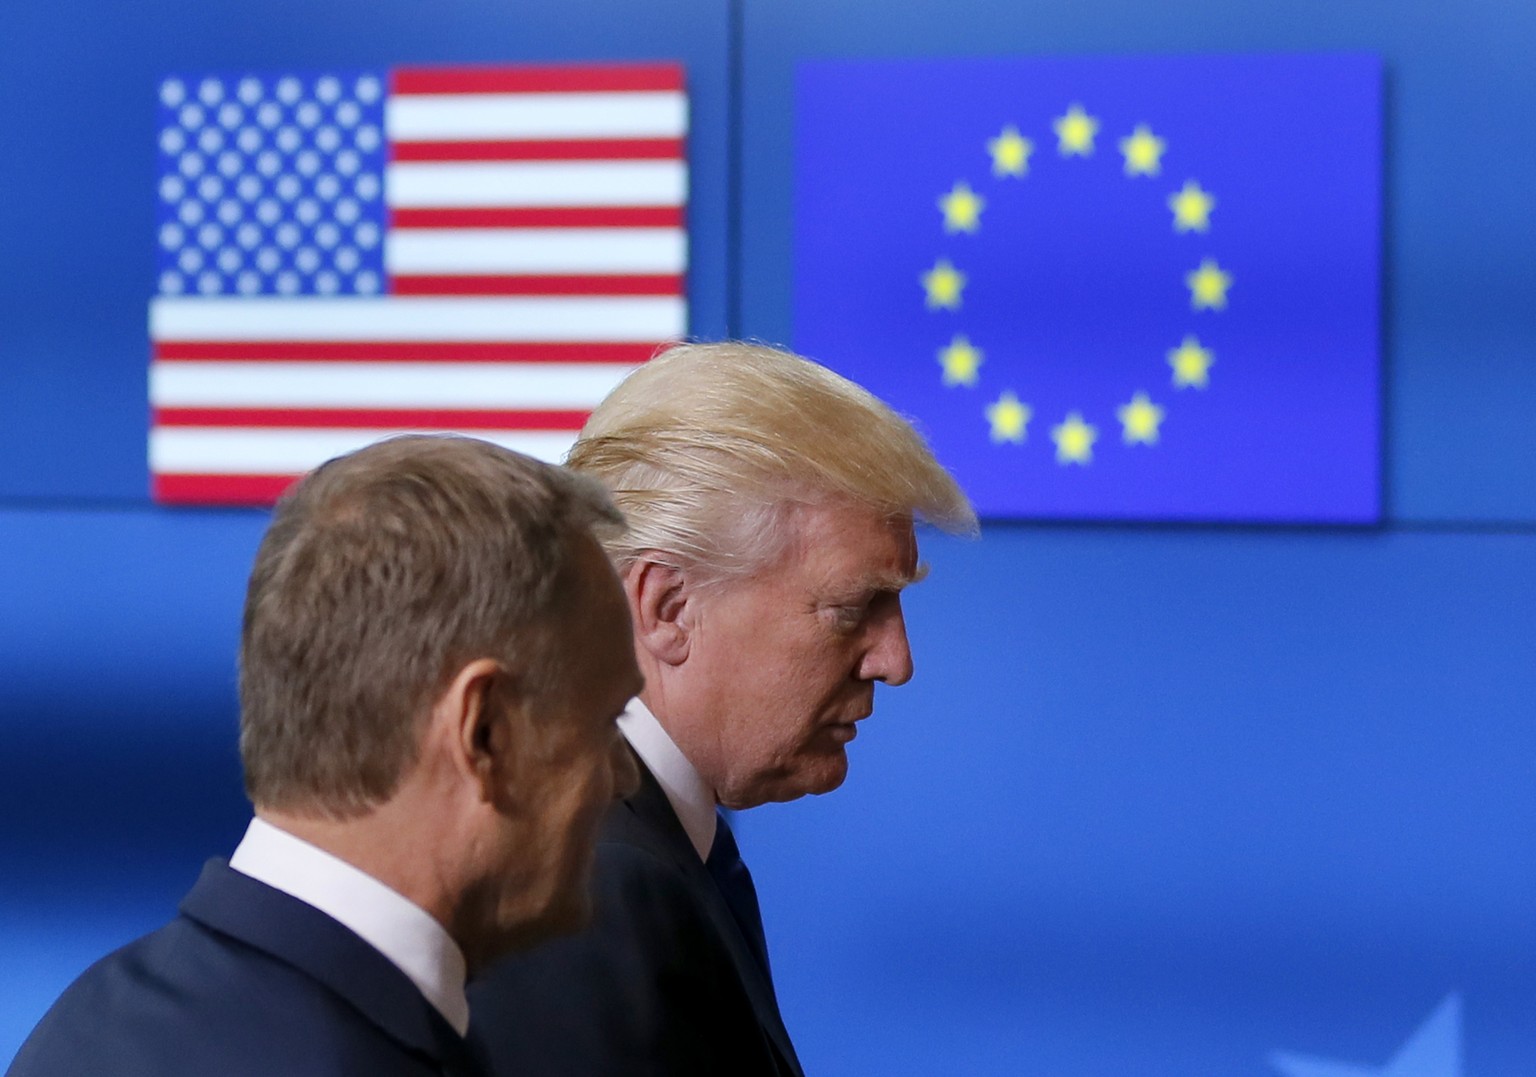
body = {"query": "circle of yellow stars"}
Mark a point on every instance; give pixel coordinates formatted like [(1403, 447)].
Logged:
[(961, 208)]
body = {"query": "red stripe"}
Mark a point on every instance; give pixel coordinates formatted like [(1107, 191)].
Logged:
[(593, 217), (299, 351), (590, 78), (637, 284), (371, 418), (220, 489), (564, 149)]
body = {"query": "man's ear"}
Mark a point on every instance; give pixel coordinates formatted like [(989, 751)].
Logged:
[(471, 713), (661, 604)]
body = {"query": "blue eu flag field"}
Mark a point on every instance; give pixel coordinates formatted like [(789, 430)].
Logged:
[(1139, 288)]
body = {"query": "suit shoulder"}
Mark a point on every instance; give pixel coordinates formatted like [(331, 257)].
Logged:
[(186, 1000)]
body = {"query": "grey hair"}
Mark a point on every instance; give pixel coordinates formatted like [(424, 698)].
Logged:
[(383, 573)]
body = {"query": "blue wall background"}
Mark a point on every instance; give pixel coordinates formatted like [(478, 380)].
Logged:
[(1160, 800)]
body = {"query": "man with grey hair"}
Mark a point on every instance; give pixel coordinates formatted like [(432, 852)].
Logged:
[(771, 507), (435, 653)]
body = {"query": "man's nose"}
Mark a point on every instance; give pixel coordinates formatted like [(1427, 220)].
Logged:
[(889, 657)]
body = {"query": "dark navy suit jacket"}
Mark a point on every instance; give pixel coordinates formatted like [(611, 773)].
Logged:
[(246, 981), (663, 983)]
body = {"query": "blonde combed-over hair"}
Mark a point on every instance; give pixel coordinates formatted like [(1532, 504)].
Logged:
[(708, 447)]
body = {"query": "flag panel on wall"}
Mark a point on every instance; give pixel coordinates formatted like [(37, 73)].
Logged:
[(1140, 288), (347, 255)]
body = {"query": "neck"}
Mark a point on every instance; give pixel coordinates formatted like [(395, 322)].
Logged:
[(382, 845)]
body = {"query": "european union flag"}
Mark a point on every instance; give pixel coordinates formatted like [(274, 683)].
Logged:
[(1141, 288)]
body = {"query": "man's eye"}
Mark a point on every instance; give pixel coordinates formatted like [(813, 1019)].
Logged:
[(848, 617)]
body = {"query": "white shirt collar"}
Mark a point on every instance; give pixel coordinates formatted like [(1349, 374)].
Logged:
[(402, 931), (691, 799)]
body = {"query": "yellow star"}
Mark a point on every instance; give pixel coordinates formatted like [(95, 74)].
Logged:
[(943, 283), (1143, 152), (1010, 152), (1075, 132), (1191, 208), (1191, 364), (1009, 417), (1140, 418), (1208, 286), (1074, 440), (962, 208), (960, 361)]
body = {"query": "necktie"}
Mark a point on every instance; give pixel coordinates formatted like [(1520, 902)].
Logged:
[(735, 883)]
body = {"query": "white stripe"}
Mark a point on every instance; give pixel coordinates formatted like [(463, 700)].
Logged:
[(470, 117), (488, 386), (193, 450), (552, 319), (463, 184), (536, 250)]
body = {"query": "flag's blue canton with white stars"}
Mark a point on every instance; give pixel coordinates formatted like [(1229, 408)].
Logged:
[(272, 185)]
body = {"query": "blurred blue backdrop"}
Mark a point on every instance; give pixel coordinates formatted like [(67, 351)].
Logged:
[(1159, 800)]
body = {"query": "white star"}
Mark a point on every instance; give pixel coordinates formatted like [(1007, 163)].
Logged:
[(1432, 1051)]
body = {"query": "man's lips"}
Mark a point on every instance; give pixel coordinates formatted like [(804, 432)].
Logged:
[(843, 732)]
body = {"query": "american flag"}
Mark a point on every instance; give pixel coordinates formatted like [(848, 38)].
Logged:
[(343, 256)]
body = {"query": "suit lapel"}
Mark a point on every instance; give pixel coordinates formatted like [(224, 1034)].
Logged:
[(279, 924), (651, 807)]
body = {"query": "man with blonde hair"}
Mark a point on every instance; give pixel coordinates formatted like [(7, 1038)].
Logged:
[(434, 656), (771, 507)]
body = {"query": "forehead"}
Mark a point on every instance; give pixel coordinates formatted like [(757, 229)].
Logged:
[(842, 544)]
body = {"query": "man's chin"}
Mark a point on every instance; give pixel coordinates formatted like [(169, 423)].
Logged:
[(570, 914), (827, 773)]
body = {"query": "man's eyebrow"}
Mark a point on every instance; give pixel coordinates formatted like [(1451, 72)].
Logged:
[(895, 581)]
